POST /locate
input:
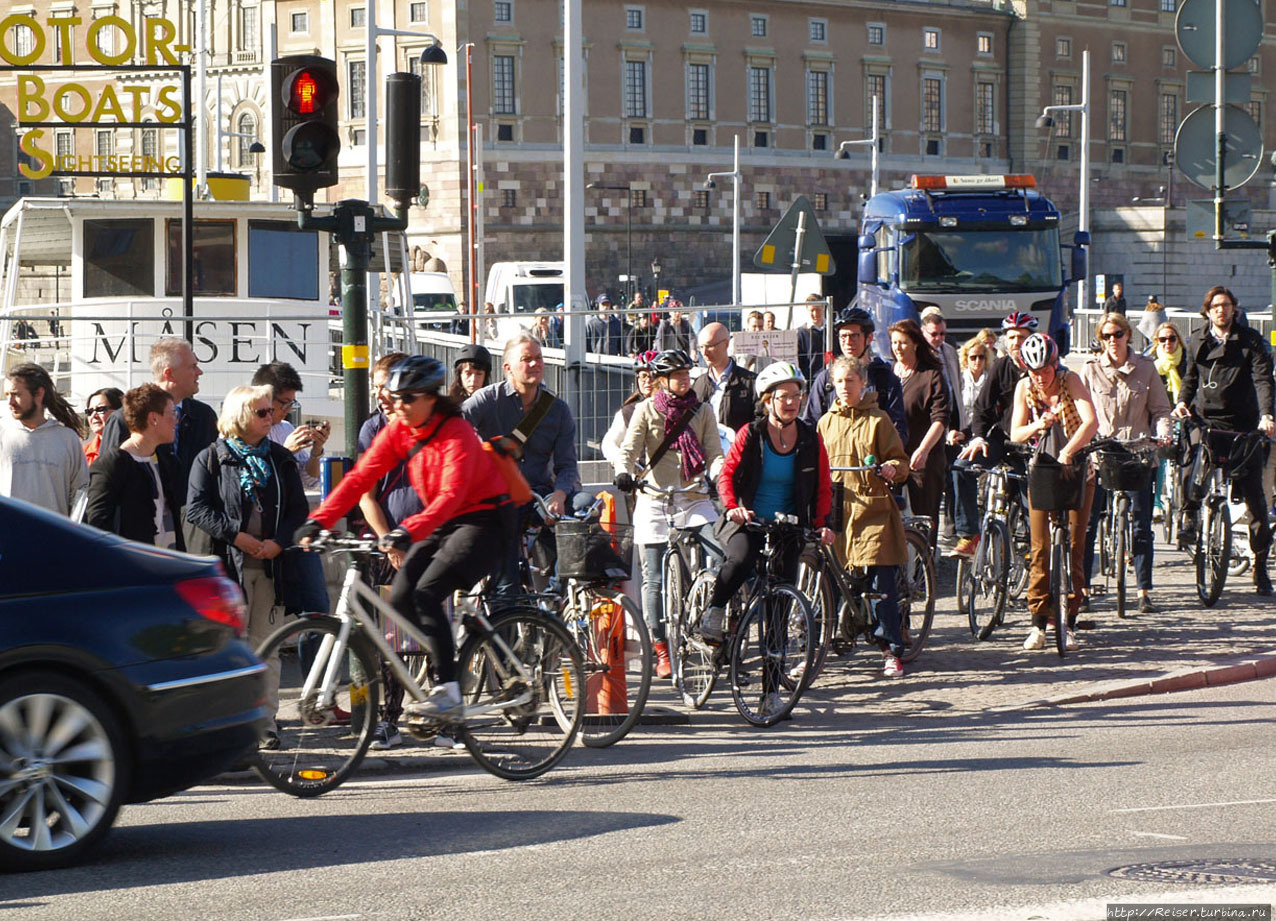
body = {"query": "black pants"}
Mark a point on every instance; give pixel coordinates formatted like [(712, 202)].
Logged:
[(743, 550), (456, 556), (1248, 487)]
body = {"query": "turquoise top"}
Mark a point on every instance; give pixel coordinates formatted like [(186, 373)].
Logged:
[(777, 490)]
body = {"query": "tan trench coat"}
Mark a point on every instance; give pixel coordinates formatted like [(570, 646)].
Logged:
[(874, 534)]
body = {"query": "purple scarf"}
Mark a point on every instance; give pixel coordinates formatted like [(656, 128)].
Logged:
[(688, 445)]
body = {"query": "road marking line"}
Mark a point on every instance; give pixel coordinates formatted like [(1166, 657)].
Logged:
[(1238, 802), (326, 918), (1152, 834)]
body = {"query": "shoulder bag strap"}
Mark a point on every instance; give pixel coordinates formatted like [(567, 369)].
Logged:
[(540, 409), (671, 436), (419, 445)]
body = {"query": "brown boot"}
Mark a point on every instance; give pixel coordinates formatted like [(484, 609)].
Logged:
[(663, 668)]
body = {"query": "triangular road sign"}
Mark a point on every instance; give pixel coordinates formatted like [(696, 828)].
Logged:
[(777, 252)]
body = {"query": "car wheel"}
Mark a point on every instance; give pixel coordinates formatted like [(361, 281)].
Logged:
[(63, 770)]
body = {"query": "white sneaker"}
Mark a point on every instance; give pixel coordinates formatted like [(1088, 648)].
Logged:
[(892, 667), (1036, 639), (1070, 640), (441, 703)]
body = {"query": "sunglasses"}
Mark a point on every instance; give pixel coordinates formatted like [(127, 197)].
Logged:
[(1119, 334), (978, 357), (407, 399), (98, 411), (262, 413), (1167, 338)]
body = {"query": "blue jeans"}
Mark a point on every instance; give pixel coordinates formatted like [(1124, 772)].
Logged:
[(1141, 519), (653, 587), (965, 499), (884, 581)]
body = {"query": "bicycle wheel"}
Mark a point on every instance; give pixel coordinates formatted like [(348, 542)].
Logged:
[(987, 576), (965, 582), (695, 667), (817, 587), (1213, 550), (1169, 506), (1059, 587), (524, 686), (1120, 533), (614, 642), (776, 635), (1020, 547), (319, 746), (916, 594), (673, 589)]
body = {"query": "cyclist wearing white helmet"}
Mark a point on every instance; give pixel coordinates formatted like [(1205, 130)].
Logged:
[(776, 465), (1051, 398)]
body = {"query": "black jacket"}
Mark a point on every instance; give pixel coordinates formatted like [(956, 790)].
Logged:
[(881, 380), (1229, 383), (218, 505), (739, 405), (743, 470), (996, 403), (196, 430), (120, 500), (810, 351)]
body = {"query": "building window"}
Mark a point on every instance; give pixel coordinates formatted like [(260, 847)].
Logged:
[(1168, 121), (1169, 57), (359, 137), (503, 11), (875, 88), (821, 201), (1253, 65), (505, 133), (425, 72), (759, 94), (638, 198), (817, 97), (509, 198), (985, 108), (1118, 52), (1063, 47), (1117, 2), (503, 84), (757, 26), (698, 91), (64, 143), (633, 18), (1118, 154), (762, 139), (930, 39), (357, 74), (300, 23), (818, 30), (762, 200), (932, 147), (876, 33), (1064, 152), (635, 89), (1255, 109), (23, 40), (1063, 120), (701, 198), (637, 134), (358, 17), (249, 34), (247, 137), (932, 104), (983, 43), (819, 141), (699, 23), (699, 137), (1116, 116), (1167, 6), (418, 12), (105, 141)]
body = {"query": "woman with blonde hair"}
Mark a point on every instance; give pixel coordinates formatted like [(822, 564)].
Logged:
[(1170, 356), (246, 493)]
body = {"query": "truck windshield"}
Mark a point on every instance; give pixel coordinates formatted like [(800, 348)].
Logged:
[(528, 298), (981, 260)]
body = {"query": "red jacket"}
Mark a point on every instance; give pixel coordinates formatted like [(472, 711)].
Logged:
[(738, 481), (452, 474)]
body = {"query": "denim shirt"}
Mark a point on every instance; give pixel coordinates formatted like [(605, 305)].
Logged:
[(549, 457)]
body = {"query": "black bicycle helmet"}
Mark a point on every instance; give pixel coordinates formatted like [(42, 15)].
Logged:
[(857, 315), (417, 374), (476, 355), (669, 361)]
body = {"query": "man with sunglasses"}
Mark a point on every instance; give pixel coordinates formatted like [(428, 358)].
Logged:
[(1228, 383)]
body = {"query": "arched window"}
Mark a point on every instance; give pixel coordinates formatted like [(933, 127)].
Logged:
[(247, 128)]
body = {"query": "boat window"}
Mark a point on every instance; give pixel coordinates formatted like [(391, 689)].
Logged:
[(272, 244), (214, 243), (119, 258)]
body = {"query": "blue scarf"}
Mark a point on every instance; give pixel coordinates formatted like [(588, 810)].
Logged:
[(254, 471)]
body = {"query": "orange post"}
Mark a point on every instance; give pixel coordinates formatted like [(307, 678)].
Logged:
[(605, 690)]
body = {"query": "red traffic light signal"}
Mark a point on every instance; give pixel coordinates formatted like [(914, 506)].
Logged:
[(304, 114)]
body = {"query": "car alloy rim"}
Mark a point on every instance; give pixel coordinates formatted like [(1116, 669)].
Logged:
[(57, 772)]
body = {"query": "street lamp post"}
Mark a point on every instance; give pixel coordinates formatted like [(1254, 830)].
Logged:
[(629, 233), (656, 268), (1083, 200), (843, 154), (735, 218)]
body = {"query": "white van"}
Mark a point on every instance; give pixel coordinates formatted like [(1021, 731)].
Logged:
[(518, 289), (433, 301)]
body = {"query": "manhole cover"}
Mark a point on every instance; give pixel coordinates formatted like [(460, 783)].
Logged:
[(1201, 872)]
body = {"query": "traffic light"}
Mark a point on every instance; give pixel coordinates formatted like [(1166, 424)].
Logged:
[(304, 115), (403, 137)]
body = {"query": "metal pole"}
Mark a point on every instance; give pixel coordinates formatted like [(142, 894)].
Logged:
[(188, 210), (575, 298), (371, 51), (629, 244), (354, 333), (217, 114), (1083, 201), (735, 225), (873, 183), (470, 186), (201, 59), (1220, 190)]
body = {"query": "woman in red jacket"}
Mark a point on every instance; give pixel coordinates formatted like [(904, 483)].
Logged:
[(450, 542)]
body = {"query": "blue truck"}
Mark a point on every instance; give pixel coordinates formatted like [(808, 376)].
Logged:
[(977, 247)]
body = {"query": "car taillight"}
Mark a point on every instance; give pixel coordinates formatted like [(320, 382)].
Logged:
[(217, 598)]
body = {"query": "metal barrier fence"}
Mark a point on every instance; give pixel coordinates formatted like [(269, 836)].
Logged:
[(1085, 325)]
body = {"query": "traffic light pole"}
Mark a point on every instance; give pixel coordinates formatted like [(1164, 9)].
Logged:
[(353, 224)]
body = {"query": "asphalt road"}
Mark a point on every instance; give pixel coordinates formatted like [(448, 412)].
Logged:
[(843, 813)]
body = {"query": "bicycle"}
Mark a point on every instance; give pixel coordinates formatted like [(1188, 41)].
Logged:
[(606, 625), (771, 635), (1123, 468), (998, 571), (520, 673), (686, 555), (839, 597)]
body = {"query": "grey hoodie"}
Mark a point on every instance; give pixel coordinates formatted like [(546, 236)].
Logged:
[(44, 466)]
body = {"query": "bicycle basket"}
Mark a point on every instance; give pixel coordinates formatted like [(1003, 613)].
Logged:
[(594, 552), (1124, 470), (1053, 487)]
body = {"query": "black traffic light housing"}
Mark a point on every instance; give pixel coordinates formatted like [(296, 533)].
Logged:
[(303, 110), (403, 137)]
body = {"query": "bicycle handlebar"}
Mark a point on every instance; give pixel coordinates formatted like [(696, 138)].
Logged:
[(337, 541), (698, 485)]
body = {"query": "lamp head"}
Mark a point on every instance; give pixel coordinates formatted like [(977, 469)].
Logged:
[(842, 154), (434, 54), (256, 147), (1045, 121), (710, 185), (593, 185)]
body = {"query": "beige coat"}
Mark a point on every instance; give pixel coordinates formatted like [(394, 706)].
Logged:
[(1129, 401), (874, 534)]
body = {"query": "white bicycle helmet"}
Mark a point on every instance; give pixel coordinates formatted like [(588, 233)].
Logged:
[(775, 374), (1038, 351)]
